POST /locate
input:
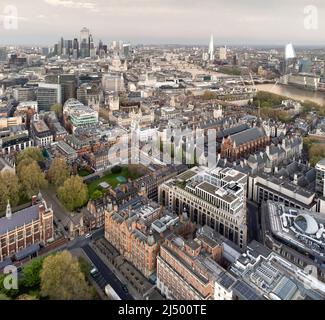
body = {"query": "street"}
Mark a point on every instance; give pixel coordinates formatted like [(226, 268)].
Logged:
[(106, 275), (253, 221), (61, 215)]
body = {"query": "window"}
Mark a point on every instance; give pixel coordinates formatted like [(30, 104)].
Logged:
[(12, 239)]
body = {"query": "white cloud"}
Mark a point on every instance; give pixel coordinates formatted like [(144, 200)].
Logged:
[(71, 4)]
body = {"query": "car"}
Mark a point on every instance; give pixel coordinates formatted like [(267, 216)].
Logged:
[(88, 235), (94, 272)]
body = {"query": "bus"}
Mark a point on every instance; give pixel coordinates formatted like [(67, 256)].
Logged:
[(111, 293)]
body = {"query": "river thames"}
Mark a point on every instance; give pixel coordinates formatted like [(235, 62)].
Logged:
[(293, 93)]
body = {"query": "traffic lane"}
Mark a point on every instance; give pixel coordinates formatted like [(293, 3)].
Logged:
[(106, 273), (253, 221)]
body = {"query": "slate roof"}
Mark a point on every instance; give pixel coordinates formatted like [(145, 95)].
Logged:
[(247, 135), (231, 131), (19, 218)]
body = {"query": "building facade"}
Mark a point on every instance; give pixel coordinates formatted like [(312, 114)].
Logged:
[(244, 143), (214, 197), (26, 228)]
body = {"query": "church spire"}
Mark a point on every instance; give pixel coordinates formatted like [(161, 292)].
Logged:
[(8, 211)]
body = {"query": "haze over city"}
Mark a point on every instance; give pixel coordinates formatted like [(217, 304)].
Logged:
[(164, 22)]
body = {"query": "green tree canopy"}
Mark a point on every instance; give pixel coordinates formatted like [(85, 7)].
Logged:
[(96, 195), (58, 172), (32, 179), (74, 193), (316, 153), (32, 153), (31, 273), (57, 108), (62, 278), (9, 189)]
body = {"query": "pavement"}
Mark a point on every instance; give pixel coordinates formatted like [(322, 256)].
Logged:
[(106, 276)]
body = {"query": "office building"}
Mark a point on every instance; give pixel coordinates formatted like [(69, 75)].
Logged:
[(77, 115), (223, 53), (320, 177), (213, 197), (92, 49), (24, 94), (263, 187), (75, 49), (15, 143), (84, 43), (41, 133), (3, 55), (264, 275), (48, 94), (296, 234)]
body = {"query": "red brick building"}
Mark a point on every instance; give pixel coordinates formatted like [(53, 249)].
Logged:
[(23, 233), (241, 145)]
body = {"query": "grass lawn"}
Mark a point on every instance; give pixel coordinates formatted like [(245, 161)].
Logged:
[(110, 178)]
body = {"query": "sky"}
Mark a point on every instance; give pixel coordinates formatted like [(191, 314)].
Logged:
[(232, 22)]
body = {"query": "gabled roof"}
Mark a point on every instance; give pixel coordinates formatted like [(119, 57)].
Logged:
[(19, 218), (247, 136)]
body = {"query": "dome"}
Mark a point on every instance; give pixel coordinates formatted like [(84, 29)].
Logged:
[(306, 224)]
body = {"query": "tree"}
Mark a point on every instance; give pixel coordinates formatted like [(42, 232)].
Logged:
[(74, 193), (32, 153), (32, 179), (31, 273), (9, 189), (62, 278), (3, 297), (116, 169), (85, 267), (57, 108), (209, 95), (58, 172), (10, 293), (26, 297), (316, 153), (96, 195)]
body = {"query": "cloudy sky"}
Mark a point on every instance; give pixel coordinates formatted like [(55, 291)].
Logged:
[(167, 21)]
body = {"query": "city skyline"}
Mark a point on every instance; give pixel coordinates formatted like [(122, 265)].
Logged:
[(165, 22)]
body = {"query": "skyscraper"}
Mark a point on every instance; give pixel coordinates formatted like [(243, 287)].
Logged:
[(60, 46), (223, 53), (3, 54), (126, 49), (75, 51), (84, 43), (92, 49), (211, 48)]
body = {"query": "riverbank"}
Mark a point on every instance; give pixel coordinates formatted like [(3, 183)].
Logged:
[(293, 93)]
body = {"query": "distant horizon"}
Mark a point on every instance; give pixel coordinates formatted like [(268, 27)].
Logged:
[(198, 44), (184, 22)]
